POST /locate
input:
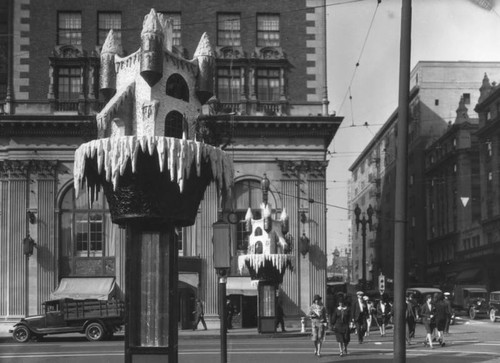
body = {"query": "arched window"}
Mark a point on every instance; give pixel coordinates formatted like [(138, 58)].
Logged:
[(87, 236), (177, 87), (174, 124), (258, 231)]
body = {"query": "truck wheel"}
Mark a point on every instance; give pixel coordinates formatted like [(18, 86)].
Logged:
[(493, 315), (94, 332), (21, 334), (472, 313)]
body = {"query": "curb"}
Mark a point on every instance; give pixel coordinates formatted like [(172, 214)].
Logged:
[(214, 334)]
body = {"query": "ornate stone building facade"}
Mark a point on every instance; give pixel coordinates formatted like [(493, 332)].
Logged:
[(270, 113)]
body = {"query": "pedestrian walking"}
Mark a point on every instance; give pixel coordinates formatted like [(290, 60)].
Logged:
[(369, 317), (317, 313), (441, 316), (199, 315), (229, 313), (359, 313), (449, 312), (341, 325), (280, 316), (383, 314), (427, 312), (411, 318)]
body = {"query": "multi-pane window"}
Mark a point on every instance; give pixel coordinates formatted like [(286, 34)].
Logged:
[(69, 28), (69, 83), (268, 84), (87, 230), (176, 27), (107, 21), (89, 234), (228, 30), (228, 84), (268, 30)]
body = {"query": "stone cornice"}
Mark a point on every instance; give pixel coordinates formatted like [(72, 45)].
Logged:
[(48, 125), (281, 126)]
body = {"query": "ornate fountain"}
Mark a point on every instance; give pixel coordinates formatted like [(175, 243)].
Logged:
[(267, 258), (153, 183)]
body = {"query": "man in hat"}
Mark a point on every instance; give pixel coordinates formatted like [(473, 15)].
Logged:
[(359, 314), (317, 313)]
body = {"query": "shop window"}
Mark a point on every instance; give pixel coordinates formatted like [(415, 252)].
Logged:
[(268, 84), (268, 30), (107, 21), (69, 28), (228, 84)]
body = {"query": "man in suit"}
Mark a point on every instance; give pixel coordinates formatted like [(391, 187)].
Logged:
[(359, 314)]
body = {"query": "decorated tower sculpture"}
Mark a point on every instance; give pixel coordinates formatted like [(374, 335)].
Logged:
[(267, 258), (153, 181)]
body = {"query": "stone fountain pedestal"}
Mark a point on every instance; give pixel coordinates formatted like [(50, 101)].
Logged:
[(145, 199)]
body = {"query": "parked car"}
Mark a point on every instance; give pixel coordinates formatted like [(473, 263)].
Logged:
[(472, 299), (494, 306), (97, 319)]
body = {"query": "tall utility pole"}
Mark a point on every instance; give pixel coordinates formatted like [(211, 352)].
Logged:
[(401, 185)]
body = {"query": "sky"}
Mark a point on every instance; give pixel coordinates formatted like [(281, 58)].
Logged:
[(369, 34)]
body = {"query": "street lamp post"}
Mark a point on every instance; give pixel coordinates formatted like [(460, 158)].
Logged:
[(348, 257), (363, 221), (222, 263)]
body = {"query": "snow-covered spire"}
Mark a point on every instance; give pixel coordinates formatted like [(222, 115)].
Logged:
[(204, 57), (112, 44), (204, 48), (151, 24), (152, 49)]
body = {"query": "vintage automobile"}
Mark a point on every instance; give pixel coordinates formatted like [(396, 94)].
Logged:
[(96, 319), (471, 299), (494, 306)]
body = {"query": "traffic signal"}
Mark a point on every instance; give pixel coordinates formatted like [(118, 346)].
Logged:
[(381, 282)]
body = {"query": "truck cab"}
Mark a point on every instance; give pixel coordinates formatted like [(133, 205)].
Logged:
[(472, 299)]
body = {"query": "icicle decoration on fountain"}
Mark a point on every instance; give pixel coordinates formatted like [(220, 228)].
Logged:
[(267, 246)]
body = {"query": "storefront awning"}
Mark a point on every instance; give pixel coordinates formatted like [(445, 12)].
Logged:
[(469, 276), (190, 278), (100, 288), (240, 286)]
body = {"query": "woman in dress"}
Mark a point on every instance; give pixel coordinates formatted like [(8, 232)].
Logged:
[(427, 312), (341, 318), (317, 313), (383, 314), (441, 317)]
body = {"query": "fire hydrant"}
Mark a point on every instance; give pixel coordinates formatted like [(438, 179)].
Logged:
[(303, 325)]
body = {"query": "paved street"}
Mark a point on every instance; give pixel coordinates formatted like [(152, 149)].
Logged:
[(476, 341)]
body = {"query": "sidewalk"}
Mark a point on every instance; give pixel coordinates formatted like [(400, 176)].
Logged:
[(238, 333)]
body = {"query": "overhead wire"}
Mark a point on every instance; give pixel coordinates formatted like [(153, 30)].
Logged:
[(358, 62)]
